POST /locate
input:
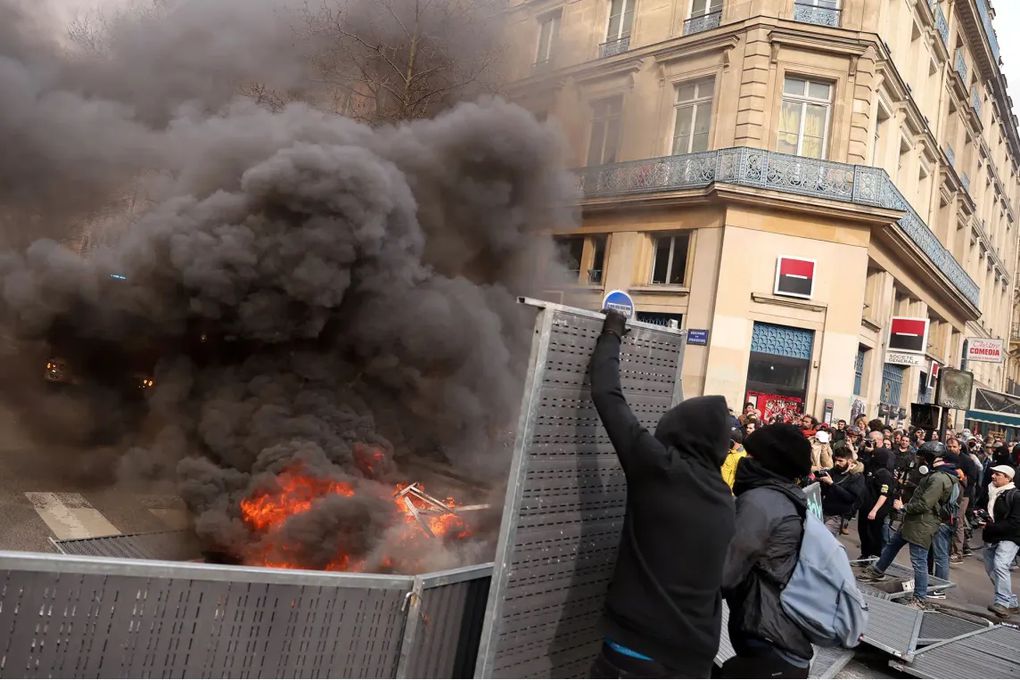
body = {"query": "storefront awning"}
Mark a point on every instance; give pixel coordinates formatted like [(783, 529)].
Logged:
[(995, 408)]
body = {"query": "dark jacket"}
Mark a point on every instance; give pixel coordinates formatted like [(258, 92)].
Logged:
[(664, 598), (761, 560), (1006, 526), (845, 494), (973, 472), (879, 480)]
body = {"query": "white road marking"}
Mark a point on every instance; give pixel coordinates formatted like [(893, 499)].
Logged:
[(69, 515)]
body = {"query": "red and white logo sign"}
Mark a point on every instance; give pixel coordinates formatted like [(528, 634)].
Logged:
[(985, 349), (908, 334), (795, 277), (933, 375)]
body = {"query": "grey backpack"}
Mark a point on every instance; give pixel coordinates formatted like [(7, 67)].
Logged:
[(821, 596)]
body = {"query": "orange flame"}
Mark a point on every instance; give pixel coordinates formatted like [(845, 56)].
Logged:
[(296, 491), (294, 495)]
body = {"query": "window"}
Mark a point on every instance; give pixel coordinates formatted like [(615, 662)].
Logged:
[(580, 254), (570, 250), (693, 116), (669, 265), (598, 259), (700, 8), (605, 131), (859, 368), (548, 30), (804, 119), (621, 18)]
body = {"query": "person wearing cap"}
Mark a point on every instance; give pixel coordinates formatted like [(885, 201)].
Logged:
[(1002, 539), (922, 525), (821, 451)]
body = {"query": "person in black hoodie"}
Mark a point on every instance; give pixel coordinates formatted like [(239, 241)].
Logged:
[(663, 611), (880, 490), (764, 552)]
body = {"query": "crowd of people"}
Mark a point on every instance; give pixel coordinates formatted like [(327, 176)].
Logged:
[(716, 510), (906, 487)]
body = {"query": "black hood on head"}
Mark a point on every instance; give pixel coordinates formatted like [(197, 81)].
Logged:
[(698, 428)]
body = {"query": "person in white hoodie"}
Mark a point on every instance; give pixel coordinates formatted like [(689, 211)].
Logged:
[(1002, 538)]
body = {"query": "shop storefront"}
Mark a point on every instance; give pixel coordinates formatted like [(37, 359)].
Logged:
[(779, 368)]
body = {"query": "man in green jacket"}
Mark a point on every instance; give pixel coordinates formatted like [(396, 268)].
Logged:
[(921, 522)]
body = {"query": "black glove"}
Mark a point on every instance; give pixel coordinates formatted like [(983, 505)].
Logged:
[(615, 323)]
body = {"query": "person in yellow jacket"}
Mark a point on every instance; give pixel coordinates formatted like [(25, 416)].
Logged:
[(729, 466)]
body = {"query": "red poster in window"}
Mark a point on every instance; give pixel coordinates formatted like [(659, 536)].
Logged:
[(772, 405)]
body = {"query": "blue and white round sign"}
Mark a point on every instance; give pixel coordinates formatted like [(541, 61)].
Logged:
[(619, 301)]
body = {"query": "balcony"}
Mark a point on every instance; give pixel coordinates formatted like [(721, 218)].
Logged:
[(745, 166), (986, 21), (614, 47), (703, 22), (941, 25), (961, 65), (811, 14)]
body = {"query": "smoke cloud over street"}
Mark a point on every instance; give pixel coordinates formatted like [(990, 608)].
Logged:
[(320, 298)]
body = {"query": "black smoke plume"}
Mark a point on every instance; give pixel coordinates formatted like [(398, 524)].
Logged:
[(304, 288)]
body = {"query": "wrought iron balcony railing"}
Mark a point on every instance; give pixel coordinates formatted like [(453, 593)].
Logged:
[(941, 25), (703, 22), (614, 47), (812, 14), (745, 166), (986, 21), (961, 65)]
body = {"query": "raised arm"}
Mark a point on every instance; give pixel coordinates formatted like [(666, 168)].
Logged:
[(635, 446)]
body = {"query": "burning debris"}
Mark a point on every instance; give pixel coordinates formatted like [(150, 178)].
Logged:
[(326, 301)]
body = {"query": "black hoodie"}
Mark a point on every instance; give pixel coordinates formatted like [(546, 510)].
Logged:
[(879, 480), (664, 598)]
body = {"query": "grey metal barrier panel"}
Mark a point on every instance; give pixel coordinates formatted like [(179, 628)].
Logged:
[(177, 545), (892, 627), (566, 495), (76, 617), (444, 623), (938, 626), (984, 653)]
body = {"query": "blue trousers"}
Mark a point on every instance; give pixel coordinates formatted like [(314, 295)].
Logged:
[(918, 560)]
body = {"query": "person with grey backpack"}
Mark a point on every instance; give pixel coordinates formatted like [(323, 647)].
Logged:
[(787, 580)]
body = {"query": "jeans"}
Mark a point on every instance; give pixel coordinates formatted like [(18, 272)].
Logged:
[(998, 557), (940, 547), (918, 560)]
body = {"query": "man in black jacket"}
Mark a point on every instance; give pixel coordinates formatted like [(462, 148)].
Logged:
[(1002, 539), (763, 554), (842, 489), (663, 610)]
